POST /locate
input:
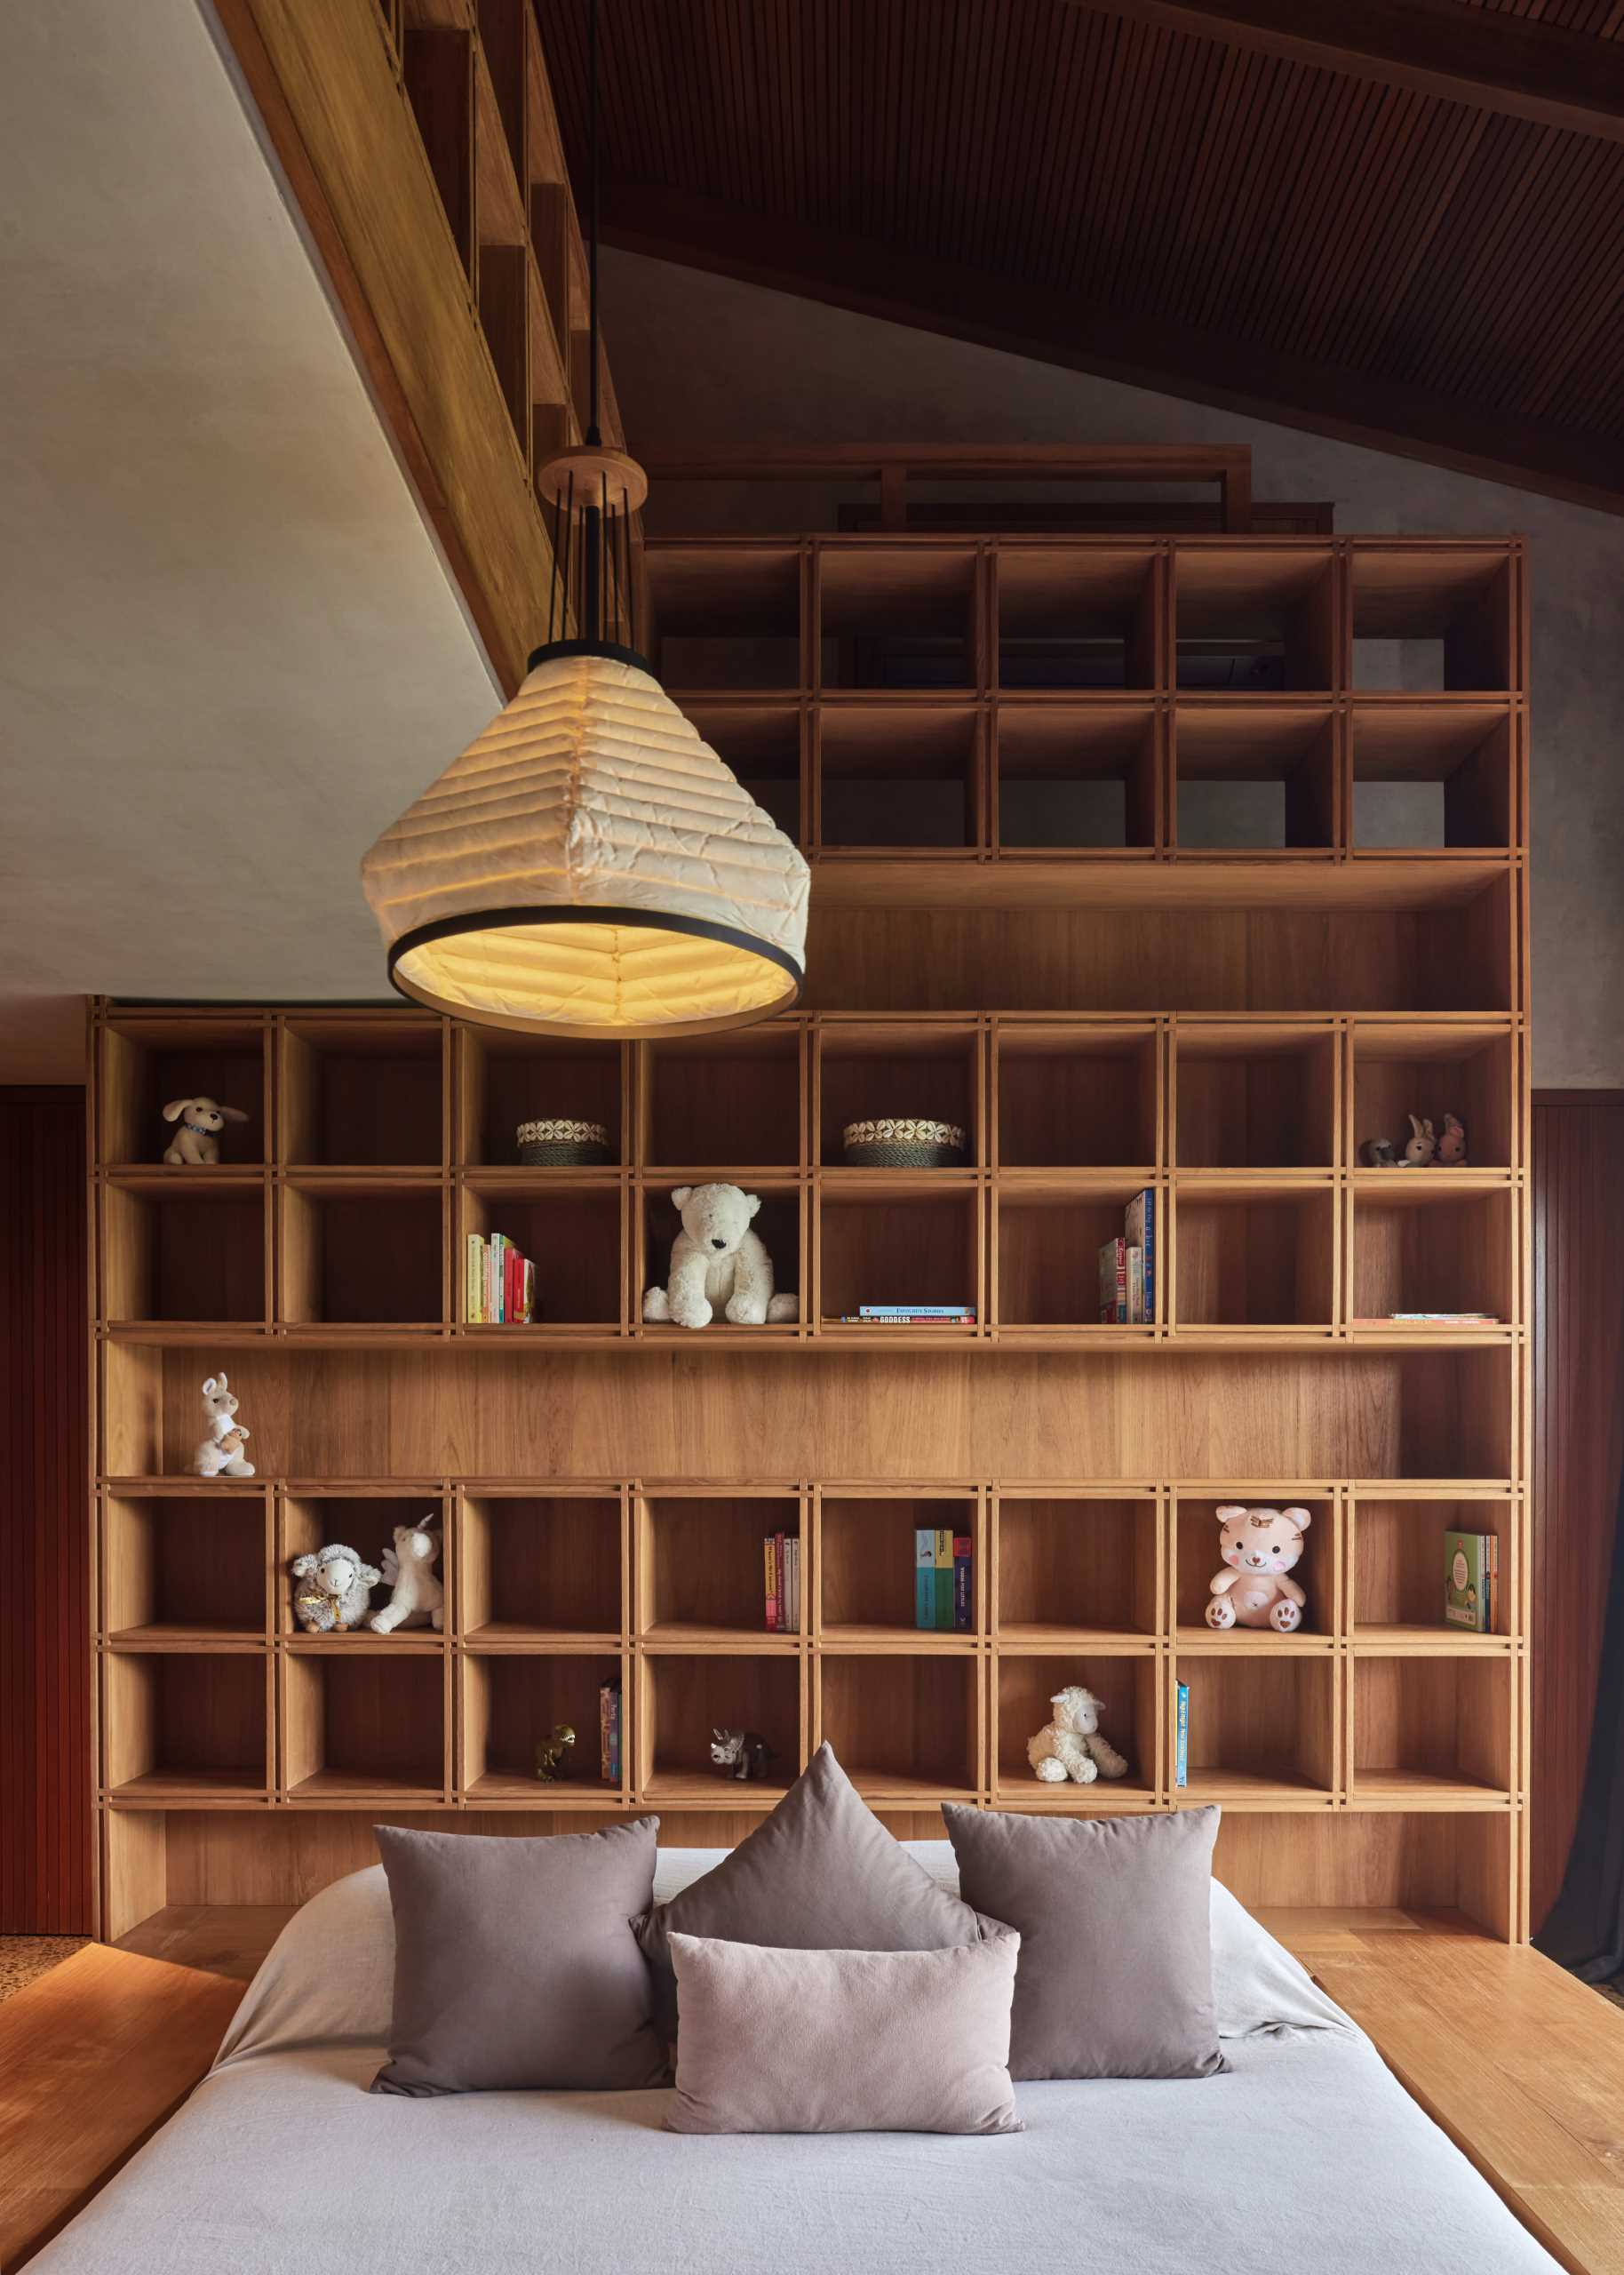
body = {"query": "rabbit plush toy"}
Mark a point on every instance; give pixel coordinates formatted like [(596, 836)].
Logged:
[(1419, 1145), (196, 1144), (220, 1453)]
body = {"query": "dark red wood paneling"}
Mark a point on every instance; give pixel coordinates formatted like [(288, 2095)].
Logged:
[(46, 1832), (1578, 1199)]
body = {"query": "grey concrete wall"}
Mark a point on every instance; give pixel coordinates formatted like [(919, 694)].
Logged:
[(700, 359)]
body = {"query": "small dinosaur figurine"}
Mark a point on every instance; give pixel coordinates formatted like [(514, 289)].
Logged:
[(741, 1754), (552, 1755)]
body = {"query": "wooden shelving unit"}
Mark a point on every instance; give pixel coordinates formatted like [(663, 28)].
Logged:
[(1104, 1006)]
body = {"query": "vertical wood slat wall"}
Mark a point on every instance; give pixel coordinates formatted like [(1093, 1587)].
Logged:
[(46, 1807), (1577, 1325)]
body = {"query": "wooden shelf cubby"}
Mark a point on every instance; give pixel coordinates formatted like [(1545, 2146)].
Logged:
[(906, 1725), (1129, 1689), (363, 1719), (1069, 617), (186, 1724), (510, 1702), (989, 746), (360, 1093), (542, 1568), (148, 1063), (866, 1566), (192, 1568)]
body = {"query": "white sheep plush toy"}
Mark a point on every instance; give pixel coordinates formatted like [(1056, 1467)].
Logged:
[(196, 1144), (335, 1589), (408, 1569), (717, 1262), (1260, 1547), (1071, 1745), (220, 1453)]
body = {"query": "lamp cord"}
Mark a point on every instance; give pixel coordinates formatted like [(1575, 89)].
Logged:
[(592, 435)]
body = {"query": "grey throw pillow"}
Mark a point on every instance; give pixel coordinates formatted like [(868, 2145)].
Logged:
[(515, 1966), (1114, 1919), (794, 2041), (822, 1873)]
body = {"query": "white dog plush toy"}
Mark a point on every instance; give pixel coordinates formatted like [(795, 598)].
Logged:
[(1071, 1745), (408, 1569), (334, 1591), (1260, 1547), (220, 1453), (717, 1262), (197, 1141)]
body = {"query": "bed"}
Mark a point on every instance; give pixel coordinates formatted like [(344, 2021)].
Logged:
[(1306, 2153)]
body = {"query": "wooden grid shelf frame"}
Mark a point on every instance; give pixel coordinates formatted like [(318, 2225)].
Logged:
[(1248, 1129), (1102, 1585), (1045, 955), (991, 703)]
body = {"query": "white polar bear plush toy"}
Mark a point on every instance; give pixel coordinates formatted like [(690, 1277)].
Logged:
[(1071, 1745), (717, 1263), (408, 1569), (1260, 1547)]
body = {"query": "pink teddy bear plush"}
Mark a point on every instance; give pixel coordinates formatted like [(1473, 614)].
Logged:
[(1260, 1547)]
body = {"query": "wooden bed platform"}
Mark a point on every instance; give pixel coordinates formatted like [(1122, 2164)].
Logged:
[(1521, 2065)]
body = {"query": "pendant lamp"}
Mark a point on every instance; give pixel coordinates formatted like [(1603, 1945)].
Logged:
[(589, 866)]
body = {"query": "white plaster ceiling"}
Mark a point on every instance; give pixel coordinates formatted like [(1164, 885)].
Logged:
[(229, 650)]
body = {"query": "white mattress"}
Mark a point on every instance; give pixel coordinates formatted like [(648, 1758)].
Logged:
[(1305, 2155)]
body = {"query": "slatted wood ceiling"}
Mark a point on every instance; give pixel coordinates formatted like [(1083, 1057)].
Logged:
[(1236, 225)]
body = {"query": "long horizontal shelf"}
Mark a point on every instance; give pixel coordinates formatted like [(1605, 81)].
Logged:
[(1081, 1341), (1008, 878)]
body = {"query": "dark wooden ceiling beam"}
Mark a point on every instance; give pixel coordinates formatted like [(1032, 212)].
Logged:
[(1523, 67), (1051, 327)]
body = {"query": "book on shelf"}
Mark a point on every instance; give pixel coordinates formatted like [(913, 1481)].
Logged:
[(781, 1557), (1430, 1319), (1181, 1734), (923, 1577), (910, 1315), (1471, 1580), (1139, 1231), (499, 1283), (964, 1603), (943, 1587), (1113, 1282), (609, 1730), (944, 1577)]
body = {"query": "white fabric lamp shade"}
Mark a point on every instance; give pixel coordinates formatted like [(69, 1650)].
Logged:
[(589, 866)]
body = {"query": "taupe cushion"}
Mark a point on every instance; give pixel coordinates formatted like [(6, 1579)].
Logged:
[(515, 1964), (821, 1873), (1114, 1913), (844, 2041)]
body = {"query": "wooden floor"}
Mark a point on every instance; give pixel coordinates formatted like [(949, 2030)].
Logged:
[(1520, 2065)]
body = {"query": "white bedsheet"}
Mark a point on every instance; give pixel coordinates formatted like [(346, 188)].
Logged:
[(1306, 2156)]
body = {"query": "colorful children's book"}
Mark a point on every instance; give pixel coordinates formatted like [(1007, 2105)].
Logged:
[(1113, 1282), (770, 1576), (964, 1603), (1139, 1233), (1136, 1287), (923, 1577), (791, 1582), (1468, 1580), (473, 1288), (944, 1577), (1181, 1735)]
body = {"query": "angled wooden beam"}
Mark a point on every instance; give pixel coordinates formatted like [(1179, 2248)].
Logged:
[(1523, 65), (1051, 327)]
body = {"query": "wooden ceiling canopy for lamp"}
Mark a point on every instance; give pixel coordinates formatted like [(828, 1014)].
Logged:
[(589, 865)]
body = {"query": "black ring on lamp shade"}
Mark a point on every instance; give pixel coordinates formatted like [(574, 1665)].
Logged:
[(555, 648), (495, 920)]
